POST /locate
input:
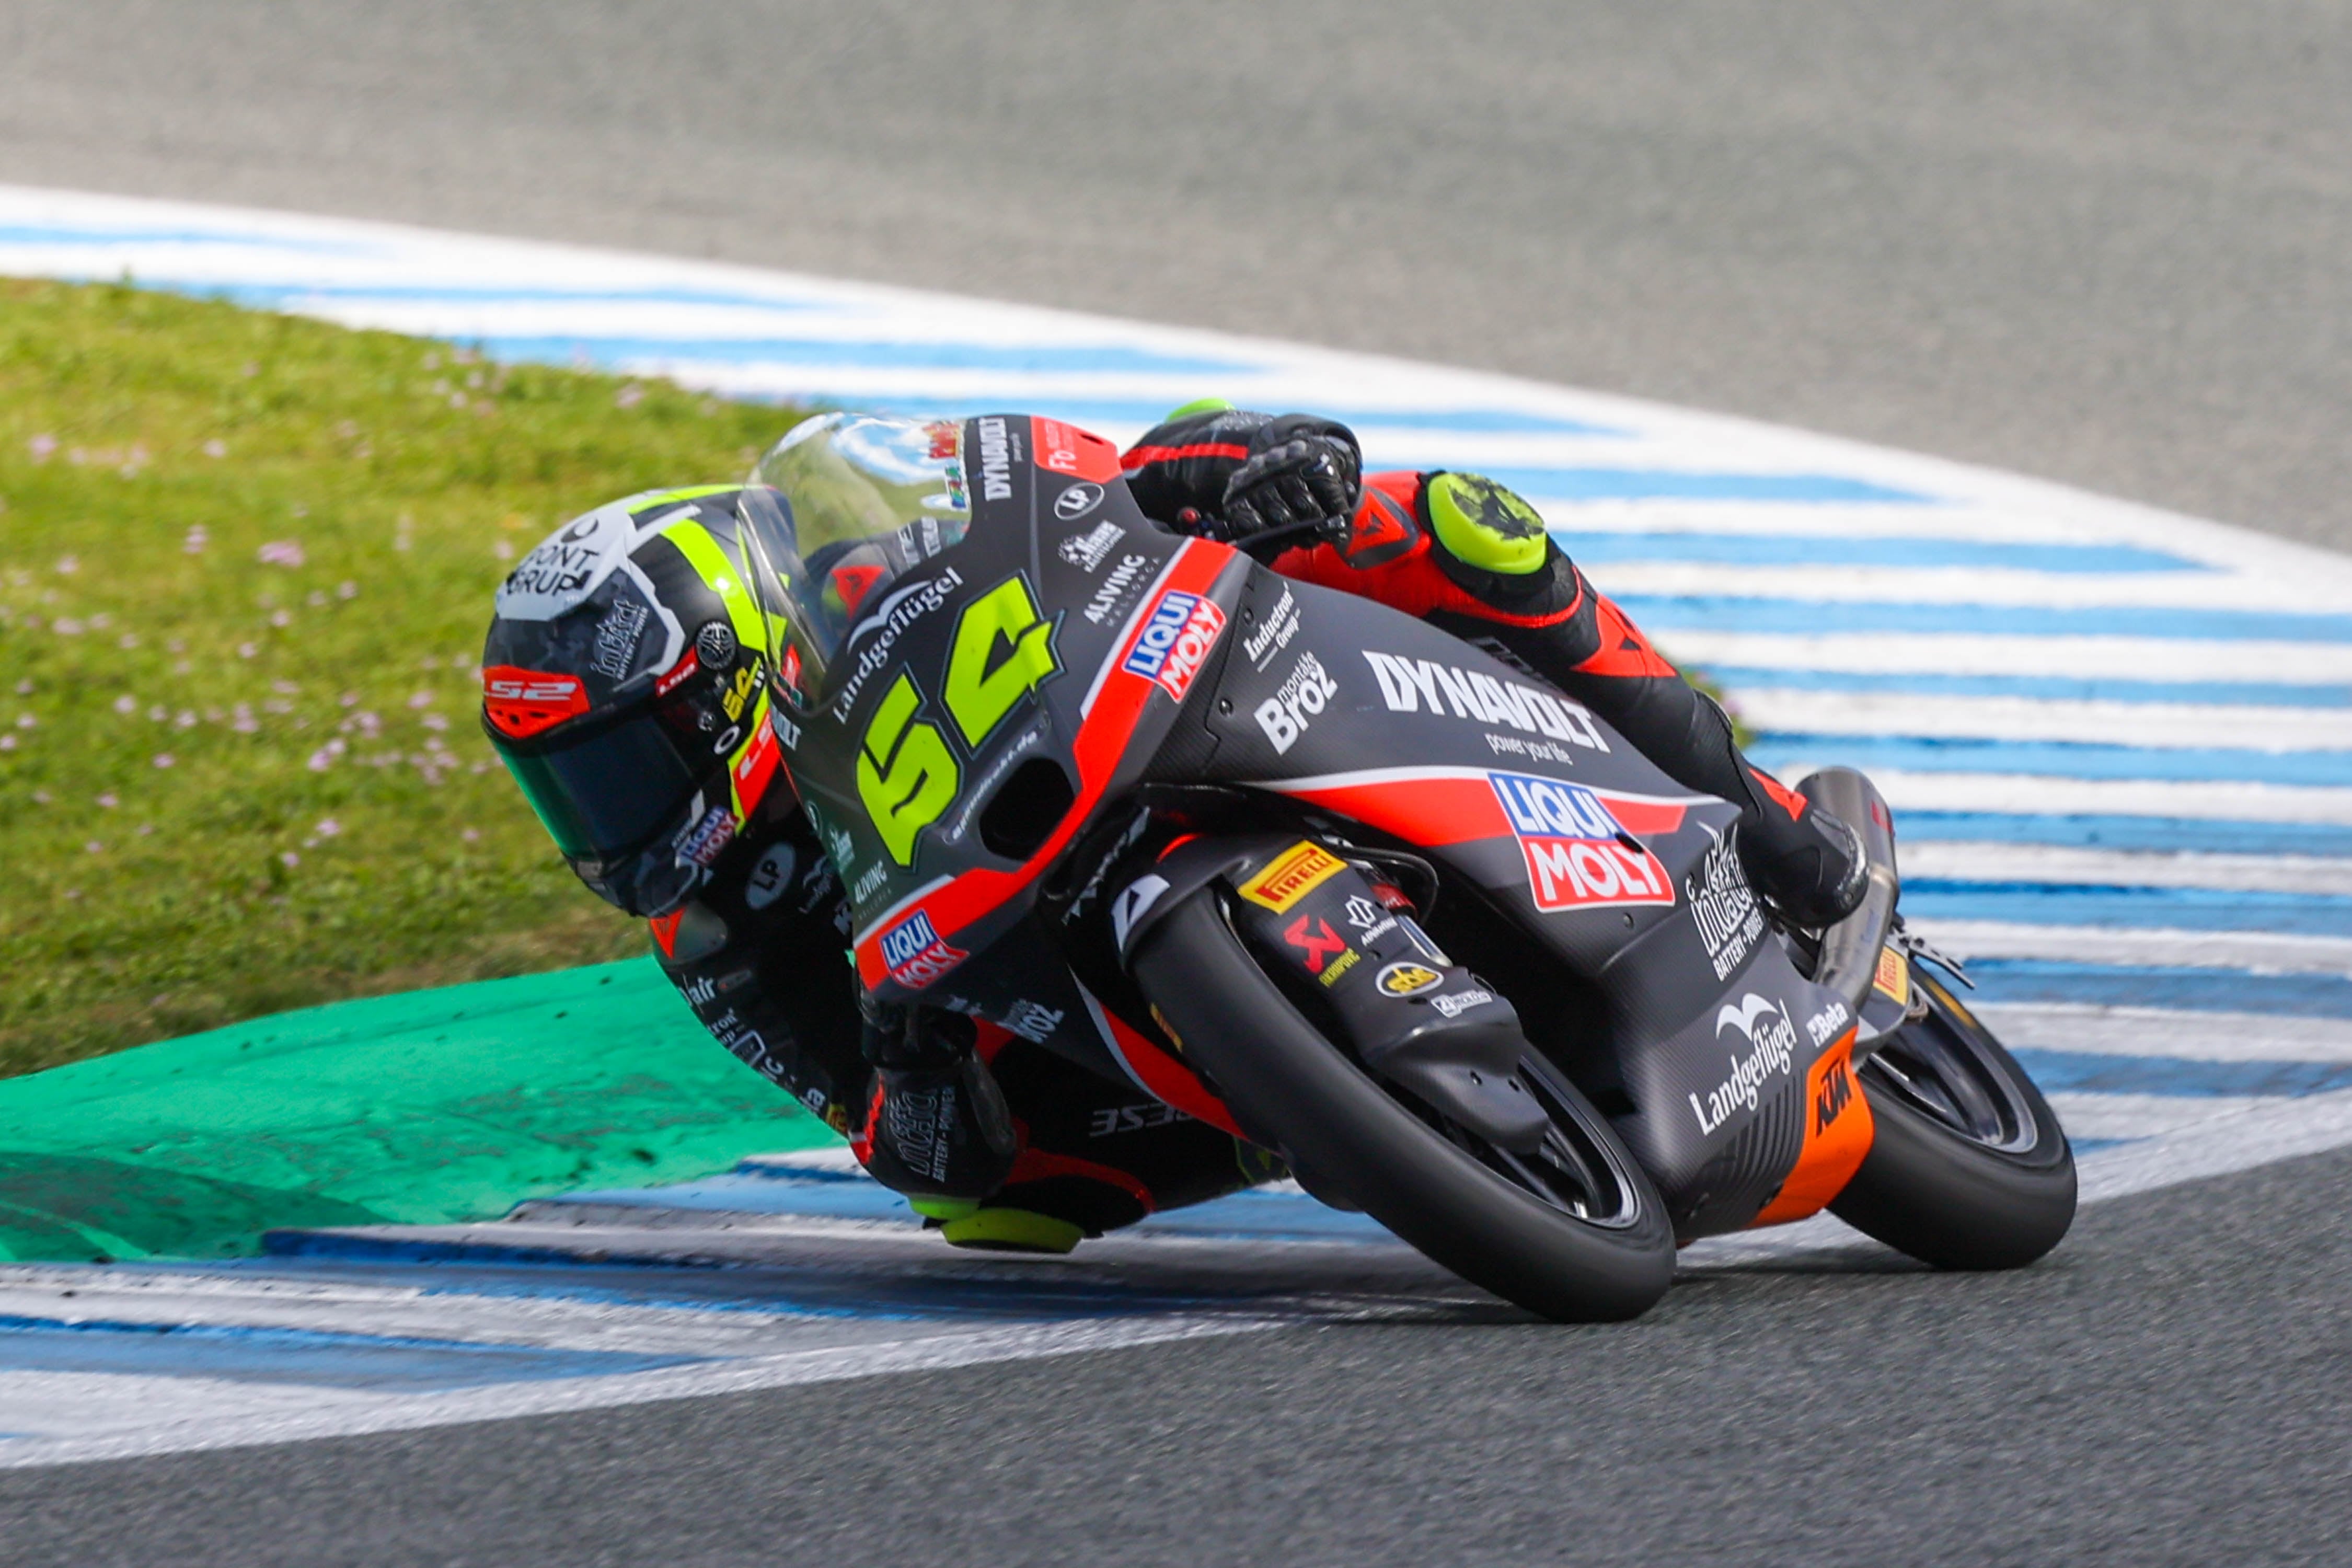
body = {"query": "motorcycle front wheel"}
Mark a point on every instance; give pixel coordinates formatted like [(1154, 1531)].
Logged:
[(1574, 1231), (1968, 1167)]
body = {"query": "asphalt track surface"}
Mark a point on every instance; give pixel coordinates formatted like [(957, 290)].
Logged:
[(2093, 243), (2166, 1388), (2104, 250)]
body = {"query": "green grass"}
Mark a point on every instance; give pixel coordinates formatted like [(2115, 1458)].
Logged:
[(239, 777)]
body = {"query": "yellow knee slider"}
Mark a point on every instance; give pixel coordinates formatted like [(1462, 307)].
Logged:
[(1486, 525)]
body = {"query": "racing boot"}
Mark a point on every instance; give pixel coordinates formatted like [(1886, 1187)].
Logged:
[(936, 1129)]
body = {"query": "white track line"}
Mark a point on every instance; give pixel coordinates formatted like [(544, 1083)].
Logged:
[(2057, 865), (2165, 1031), (2164, 725), (1967, 653), (2042, 794), (296, 1413), (1832, 583), (2271, 951)]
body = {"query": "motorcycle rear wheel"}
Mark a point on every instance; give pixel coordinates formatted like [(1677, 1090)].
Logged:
[(1969, 1168), (1574, 1232)]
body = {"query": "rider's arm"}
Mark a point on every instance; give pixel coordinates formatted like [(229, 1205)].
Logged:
[(759, 957)]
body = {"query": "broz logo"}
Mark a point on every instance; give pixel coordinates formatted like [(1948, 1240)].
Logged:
[(914, 953), (1175, 641), (1578, 856), (1408, 979)]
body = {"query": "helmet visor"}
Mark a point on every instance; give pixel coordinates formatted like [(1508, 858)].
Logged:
[(609, 791)]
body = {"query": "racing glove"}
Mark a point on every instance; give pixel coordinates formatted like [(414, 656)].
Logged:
[(1299, 469), (936, 1126)]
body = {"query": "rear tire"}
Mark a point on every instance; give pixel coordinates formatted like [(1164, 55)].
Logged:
[(1970, 1168), (1506, 1222)]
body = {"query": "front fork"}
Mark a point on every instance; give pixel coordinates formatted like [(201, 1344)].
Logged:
[(1343, 933)]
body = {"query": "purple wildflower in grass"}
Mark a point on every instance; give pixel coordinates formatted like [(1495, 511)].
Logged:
[(327, 827), (347, 589), (280, 553), (216, 447), (164, 759), (126, 705), (40, 446), (108, 801), (246, 651), (69, 564), (288, 858), (470, 835), (7, 742)]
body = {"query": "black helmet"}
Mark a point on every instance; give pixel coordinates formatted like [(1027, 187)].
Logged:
[(626, 684), (634, 668)]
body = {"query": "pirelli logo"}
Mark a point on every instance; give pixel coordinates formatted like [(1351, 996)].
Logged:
[(1291, 876), (1893, 978)]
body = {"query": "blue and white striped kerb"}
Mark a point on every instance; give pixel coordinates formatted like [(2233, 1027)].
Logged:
[(2118, 740)]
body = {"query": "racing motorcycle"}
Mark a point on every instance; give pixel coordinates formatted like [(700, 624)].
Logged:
[(1313, 871)]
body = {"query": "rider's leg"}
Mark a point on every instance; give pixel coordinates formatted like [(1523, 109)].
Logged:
[(1468, 553), (1095, 1155)]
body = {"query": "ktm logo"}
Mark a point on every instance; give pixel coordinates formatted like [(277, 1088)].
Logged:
[(1316, 940), (1836, 1093)]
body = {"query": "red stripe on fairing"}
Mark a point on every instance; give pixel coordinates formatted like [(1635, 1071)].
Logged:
[(1140, 455), (1101, 743), (1164, 1078), (1448, 808)]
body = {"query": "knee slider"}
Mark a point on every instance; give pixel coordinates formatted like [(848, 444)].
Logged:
[(1485, 526)]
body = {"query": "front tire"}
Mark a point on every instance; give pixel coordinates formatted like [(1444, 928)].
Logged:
[(1970, 1168), (1575, 1233)]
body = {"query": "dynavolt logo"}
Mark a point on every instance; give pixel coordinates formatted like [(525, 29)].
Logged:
[(914, 953), (1175, 641), (1578, 856)]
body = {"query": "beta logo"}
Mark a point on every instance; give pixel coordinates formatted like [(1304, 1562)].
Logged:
[(1175, 641), (1578, 856), (914, 955)]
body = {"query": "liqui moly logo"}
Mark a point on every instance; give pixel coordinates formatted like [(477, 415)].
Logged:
[(1175, 641), (1578, 856), (914, 955)]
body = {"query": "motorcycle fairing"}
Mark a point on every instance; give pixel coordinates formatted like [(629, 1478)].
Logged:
[(1049, 511), (1323, 698)]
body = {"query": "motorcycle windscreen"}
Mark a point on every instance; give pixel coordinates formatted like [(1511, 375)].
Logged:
[(842, 508)]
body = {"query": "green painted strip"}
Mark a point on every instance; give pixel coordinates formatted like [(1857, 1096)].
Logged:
[(428, 1108)]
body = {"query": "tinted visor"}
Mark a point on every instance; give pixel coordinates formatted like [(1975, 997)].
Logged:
[(609, 792)]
